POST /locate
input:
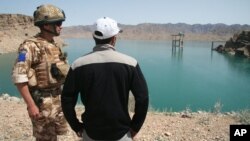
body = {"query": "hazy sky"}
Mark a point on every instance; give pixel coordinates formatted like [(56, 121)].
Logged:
[(85, 12)]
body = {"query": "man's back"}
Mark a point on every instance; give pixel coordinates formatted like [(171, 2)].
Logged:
[(104, 79)]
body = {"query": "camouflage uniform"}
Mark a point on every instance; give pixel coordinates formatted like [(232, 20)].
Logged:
[(34, 65), (52, 122)]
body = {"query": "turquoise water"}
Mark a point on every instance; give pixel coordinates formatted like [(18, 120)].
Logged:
[(192, 77)]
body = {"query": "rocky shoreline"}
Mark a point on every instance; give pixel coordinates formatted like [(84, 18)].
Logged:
[(238, 45), (159, 126)]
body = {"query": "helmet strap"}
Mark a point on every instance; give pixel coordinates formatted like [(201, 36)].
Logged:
[(49, 31)]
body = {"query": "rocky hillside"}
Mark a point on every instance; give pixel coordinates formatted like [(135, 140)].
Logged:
[(14, 28), (147, 31)]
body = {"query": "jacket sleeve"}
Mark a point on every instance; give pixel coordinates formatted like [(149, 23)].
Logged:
[(22, 64), (140, 92), (69, 101)]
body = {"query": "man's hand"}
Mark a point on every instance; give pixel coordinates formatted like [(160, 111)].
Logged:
[(79, 133), (31, 106), (133, 133), (33, 112)]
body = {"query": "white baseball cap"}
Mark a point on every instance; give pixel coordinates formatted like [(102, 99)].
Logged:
[(105, 28)]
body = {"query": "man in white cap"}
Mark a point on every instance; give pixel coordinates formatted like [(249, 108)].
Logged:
[(104, 79)]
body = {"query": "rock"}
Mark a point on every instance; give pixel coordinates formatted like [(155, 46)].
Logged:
[(247, 50), (238, 45), (5, 96), (185, 116), (167, 134), (15, 99), (220, 48), (239, 52)]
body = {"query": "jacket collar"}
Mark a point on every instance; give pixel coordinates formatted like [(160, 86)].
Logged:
[(103, 47)]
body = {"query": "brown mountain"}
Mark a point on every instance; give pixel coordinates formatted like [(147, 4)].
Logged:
[(14, 28), (149, 31)]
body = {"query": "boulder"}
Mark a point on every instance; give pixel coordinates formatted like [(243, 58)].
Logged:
[(244, 51), (219, 48), (238, 45)]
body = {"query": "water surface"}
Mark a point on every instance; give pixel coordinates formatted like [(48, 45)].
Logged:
[(192, 77)]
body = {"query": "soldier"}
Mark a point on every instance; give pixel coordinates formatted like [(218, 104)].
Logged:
[(39, 72)]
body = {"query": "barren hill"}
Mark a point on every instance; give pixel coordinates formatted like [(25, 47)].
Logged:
[(14, 28), (150, 31)]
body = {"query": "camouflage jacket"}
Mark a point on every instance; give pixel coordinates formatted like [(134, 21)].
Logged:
[(36, 61)]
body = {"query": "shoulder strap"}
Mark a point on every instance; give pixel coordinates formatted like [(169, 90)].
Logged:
[(39, 45), (36, 41)]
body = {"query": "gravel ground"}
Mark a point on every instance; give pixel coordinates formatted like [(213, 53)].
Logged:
[(15, 125)]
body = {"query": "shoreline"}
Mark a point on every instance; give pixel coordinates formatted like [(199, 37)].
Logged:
[(216, 109), (175, 126)]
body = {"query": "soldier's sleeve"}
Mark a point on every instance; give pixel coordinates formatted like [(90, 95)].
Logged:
[(22, 64)]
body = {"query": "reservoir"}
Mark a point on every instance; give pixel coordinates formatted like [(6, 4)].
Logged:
[(193, 77)]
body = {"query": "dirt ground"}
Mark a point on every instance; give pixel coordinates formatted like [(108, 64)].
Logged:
[(15, 125)]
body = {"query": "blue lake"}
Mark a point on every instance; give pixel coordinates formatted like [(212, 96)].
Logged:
[(193, 77)]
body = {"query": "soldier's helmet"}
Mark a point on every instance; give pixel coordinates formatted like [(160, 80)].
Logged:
[(46, 14)]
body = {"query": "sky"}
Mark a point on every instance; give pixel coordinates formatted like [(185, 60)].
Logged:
[(133, 12)]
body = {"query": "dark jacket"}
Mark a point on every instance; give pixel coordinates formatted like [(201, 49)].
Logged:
[(104, 79)]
